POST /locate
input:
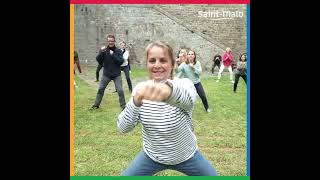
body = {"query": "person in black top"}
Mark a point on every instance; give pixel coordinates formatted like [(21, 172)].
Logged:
[(111, 58), (216, 62)]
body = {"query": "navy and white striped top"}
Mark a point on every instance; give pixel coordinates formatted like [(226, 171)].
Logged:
[(167, 129)]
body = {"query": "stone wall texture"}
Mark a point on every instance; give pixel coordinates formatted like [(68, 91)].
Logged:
[(206, 28)]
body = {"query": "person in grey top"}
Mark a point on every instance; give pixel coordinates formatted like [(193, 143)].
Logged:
[(241, 71)]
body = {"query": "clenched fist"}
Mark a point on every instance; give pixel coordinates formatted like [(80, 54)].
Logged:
[(152, 91)]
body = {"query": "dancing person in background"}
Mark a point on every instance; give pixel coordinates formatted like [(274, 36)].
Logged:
[(111, 57), (241, 71), (226, 63)]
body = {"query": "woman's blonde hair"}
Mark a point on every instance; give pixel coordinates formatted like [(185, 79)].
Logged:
[(183, 52), (164, 46)]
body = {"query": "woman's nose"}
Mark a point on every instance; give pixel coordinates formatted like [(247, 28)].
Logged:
[(157, 64)]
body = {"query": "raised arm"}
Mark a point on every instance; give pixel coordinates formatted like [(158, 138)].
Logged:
[(118, 56), (178, 92), (198, 68), (128, 118), (180, 67), (225, 57), (183, 95), (100, 57)]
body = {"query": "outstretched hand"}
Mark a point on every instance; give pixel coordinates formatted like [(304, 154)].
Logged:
[(152, 91)]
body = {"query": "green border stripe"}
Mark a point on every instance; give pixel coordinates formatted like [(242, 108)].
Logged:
[(159, 177)]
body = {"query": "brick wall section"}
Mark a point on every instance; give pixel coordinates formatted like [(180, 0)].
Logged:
[(179, 25)]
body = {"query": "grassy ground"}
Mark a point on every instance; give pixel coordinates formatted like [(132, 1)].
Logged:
[(100, 150)]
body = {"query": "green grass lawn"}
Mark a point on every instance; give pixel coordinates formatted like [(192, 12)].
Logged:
[(100, 150)]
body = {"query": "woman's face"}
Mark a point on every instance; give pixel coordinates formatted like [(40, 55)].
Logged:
[(243, 57), (183, 57), (123, 45), (191, 56), (159, 64)]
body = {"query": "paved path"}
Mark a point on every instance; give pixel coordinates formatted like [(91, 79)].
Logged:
[(89, 76)]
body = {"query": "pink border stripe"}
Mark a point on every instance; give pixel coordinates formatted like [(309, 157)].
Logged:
[(160, 2)]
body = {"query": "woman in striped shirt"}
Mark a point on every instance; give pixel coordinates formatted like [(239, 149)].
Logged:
[(163, 106)]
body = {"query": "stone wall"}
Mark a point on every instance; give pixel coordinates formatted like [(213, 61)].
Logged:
[(179, 25)]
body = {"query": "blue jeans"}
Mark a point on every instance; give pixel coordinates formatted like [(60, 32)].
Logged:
[(142, 165)]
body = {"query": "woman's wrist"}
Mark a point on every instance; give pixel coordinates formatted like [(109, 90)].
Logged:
[(136, 101), (169, 84)]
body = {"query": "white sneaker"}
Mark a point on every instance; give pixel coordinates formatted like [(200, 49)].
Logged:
[(208, 110), (232, 81), (217, 80)]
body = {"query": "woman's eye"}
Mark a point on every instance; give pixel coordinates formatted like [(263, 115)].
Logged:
[(163, 60), (152, 60)]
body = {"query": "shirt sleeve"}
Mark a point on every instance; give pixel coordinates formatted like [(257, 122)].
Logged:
[(100, 57), (118, 56), (183, 95), (197, 68), (225, 57), (180, 67), (128, 118)]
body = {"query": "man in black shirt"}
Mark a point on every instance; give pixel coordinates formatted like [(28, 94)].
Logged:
[(111, 58)]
